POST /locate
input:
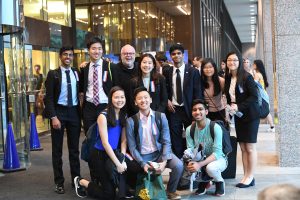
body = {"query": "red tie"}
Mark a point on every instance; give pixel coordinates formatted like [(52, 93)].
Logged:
[(96, 100)]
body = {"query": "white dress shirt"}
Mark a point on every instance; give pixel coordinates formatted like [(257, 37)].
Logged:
[(148, 142)]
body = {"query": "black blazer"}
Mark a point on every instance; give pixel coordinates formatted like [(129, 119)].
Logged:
[(84, 76), (53, 88), (159, 96), (192, 86), (246, 97)]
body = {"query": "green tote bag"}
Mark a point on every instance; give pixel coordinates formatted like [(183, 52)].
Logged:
[(150, 187)]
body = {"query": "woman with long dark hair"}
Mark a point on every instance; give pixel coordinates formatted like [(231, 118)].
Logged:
[(213, 90), (242, 97), (153, 81), (261, 76), (106, 154)]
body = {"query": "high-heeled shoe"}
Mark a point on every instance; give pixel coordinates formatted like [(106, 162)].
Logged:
[(242, 185)]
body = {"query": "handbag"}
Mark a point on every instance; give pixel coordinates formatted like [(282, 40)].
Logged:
[(150, 187), (226, 123)]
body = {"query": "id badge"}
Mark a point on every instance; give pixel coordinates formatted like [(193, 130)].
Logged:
[(241, 89), (104, 76)]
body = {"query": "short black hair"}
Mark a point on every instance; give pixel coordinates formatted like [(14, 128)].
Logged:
[(65, 48), (138, 90), (200, 101), (176, 46), (93, 41), (161, 57)]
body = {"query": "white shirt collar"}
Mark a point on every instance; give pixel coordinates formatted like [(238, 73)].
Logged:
[(143, 116)]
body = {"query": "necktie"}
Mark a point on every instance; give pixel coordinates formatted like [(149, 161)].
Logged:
[(178, 87), (95, 86), (70, 101)]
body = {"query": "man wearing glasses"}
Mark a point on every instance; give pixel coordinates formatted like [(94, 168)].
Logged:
[(124, 71), (183, 85), (62, 107)]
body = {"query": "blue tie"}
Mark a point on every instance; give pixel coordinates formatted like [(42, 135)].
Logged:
[(70, 101)]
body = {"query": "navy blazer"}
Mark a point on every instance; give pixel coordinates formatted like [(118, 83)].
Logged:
[(53, 88), (162, 138), (246, 97), (159, 95), (84, 76), (192, 86)]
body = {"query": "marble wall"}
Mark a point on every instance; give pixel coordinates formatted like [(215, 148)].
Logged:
[(286, 54)]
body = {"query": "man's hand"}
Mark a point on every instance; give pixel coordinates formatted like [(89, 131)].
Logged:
[(194, 166), (147, 168), (171, 107), (161, 168), (56, 123), (83, 64)]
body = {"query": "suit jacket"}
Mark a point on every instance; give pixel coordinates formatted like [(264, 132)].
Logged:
[(162, 139), (246, 98), (192, 86), (53, 89), (84, 76), (159, 95)]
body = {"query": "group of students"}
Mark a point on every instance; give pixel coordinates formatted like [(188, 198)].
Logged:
[(142, 113)]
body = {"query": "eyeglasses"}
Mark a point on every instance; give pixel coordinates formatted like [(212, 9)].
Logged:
[(128, 54), (178, 53), (234, 60)]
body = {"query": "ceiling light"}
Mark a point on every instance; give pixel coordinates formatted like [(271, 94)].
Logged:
[(252, 10), (252, 6), (182, 10)]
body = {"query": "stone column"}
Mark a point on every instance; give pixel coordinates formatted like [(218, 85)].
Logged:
[(286, 57)]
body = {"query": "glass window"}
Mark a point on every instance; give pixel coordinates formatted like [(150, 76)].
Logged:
[(59, 12), (33, 9)]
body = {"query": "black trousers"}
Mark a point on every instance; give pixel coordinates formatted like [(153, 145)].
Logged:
[(70, 120), (90, 115), (107, 190), (177, 121)]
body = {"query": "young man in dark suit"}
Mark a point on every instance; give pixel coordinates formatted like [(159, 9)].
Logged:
[(183, 85), (95, 83), (62, 107)]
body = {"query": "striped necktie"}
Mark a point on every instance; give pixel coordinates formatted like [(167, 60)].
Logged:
[(96, 99)]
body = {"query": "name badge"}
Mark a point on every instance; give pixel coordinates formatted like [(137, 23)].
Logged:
[(104, 76), (76, 76), (152, 86), (241, 89)]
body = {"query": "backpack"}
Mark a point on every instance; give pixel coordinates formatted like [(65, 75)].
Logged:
[(157, 121), (90, 140), (263, 101), (226, 144)]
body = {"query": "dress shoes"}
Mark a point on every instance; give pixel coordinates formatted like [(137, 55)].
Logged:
[(242, 185)]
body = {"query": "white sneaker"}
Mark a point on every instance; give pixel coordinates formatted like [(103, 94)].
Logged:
[(271, 130)]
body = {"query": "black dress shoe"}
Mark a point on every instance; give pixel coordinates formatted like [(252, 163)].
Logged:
[(59, 189), (242, 185)]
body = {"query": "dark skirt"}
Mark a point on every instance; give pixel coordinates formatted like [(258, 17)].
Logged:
[(246, 131)]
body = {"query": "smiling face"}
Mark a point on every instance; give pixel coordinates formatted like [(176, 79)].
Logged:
[(66, 58), (233, 62), (143, 100), (95, 51), (118, 99), (199, 112), (147, 66), (208, 69), (128, 56), (177, 57)]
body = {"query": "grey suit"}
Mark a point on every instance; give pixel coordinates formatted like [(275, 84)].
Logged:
[(164, 151)]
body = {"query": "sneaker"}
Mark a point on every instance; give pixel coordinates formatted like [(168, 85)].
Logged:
[(59, 189), (202, 188), (220, 189), (80, 190), (173, 195)]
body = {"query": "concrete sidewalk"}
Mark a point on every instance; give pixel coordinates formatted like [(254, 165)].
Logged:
[(37, 181)]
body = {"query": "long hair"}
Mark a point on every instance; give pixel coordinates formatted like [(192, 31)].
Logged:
[(241, 72), (215, 77), (153, 74), (261, 68), (111, 114)]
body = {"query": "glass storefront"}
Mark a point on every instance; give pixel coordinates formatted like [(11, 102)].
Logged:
[(56, 11)]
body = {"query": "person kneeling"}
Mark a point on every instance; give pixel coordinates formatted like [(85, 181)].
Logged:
[(216, 161), (148, 139)]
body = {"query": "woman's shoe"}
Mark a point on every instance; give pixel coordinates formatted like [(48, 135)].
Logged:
[(242, 185)]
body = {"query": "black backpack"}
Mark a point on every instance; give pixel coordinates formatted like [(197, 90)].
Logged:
[(226, 144), (157, 121)]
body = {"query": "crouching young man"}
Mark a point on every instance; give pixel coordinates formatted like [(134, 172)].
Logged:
[(150, 141), (215, 161)]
